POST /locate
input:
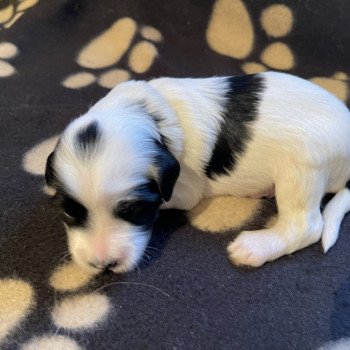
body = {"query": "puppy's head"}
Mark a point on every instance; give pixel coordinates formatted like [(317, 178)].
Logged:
[(111, 172)]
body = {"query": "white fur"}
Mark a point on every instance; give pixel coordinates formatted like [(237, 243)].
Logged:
[(300, 147), (333, 216)]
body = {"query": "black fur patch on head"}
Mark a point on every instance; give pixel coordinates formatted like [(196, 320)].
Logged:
[(242, 101), (73, 213), (142, 210), (88, 137)]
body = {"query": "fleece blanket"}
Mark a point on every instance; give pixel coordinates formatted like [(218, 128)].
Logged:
[(57, 58)]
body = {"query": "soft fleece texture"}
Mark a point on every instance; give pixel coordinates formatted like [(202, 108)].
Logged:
[(298, 302)]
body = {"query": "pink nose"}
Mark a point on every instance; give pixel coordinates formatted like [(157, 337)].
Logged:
[(101, 253)]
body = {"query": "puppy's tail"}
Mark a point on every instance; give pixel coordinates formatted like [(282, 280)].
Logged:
[(333, 215)]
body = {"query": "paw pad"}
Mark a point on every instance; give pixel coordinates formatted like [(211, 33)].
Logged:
[(16, 300), (81, 311), (222, 213), (337, 84), (7, 51), (230, 31), (69, 277), (51, 342)]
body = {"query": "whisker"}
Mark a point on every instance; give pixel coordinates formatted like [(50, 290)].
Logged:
[(57, 330), (138, 268), (133, 283), (153, 248), (143, 260), (63, 257), (148, 256)]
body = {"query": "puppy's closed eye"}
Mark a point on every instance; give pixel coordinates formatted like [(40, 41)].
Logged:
[(73, 213), (137, 212)]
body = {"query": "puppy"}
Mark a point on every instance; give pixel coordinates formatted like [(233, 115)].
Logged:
[(168, 143)]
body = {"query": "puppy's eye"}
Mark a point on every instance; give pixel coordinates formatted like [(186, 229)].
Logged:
[(138, 212), (74, 214)]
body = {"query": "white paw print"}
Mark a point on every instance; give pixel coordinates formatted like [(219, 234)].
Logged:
[(75, 312), (101, 56), (223, 213), (231, 33), (7, 51), (11, 11), (17, 299)]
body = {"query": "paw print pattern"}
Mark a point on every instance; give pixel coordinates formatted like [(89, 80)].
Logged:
[(11, 11), (101, 56), (230, 32), (7, 51), (75, 312)]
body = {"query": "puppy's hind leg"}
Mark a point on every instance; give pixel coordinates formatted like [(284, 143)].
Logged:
[(299, 224)]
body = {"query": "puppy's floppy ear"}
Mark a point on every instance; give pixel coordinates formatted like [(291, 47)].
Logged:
[(168, 171), (49, 171)]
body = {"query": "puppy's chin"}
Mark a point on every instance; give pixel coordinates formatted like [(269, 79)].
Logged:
[(128, 254)]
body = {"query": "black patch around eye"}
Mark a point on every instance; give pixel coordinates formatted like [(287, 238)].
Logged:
[(73, 213), (89, 136), (138, 212)]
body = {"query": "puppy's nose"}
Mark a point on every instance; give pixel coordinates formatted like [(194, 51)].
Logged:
[(104, 266), (111, 265), (108, 268)]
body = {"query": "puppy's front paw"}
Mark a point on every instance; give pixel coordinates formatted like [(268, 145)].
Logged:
[(255, 248)]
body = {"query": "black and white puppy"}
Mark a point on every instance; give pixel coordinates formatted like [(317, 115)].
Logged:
[(168, 143)]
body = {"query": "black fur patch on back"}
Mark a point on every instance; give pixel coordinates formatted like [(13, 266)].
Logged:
[(89, 136), (241, 109)]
